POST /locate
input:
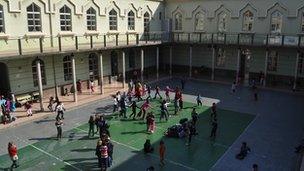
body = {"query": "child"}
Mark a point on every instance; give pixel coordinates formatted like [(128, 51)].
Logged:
[(194, 116), (51, 103), (144, 108), (150, 123), (60, 110), (78, 86), (162, 150), (176, 106), (115, 104), (91, 126), (28, 108), (137, 91), (133, 107), (148, 147), (164, 110), (167, 93), (58, 125), (199, 100), (157, 89), (213, 111), (233, 87), (13, 153), (92, 87), (149, 91), (181, 102)]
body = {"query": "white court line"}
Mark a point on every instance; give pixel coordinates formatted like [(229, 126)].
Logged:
[(229, 149), (51, 155), (133, 148)]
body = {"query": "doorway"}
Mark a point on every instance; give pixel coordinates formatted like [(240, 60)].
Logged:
[(114, 63), (4, 80)]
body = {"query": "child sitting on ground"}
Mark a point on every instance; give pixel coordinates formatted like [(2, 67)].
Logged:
[(244, 151)]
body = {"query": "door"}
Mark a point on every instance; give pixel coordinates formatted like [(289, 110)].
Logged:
[(245, 66), (4, 80), (114, 63)]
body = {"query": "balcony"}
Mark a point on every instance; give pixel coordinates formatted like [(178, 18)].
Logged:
[(71, 43), (249, 39)]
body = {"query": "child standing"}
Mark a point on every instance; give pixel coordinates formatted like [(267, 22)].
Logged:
[(60, 110), (115, 104), (92, 87), (13, 153), (167, 93), (133, 107), (199, 100), (144, 108), (91, 126), (150, 123), (162, 151), (58, 125), (157, 89), (28, 108), (164, 110)]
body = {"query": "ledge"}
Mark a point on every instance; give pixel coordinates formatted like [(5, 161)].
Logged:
[(247, 32), (4, 36), (131, 32), (34, 35), (66, 34), (199, 31), (114, 32), (91, 33), (178, 31)]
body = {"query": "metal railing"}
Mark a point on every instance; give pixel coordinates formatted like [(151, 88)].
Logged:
[(47, 44)]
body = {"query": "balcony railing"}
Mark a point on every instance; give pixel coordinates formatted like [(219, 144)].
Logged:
[(36, 45), (27, 46), (240, 39)]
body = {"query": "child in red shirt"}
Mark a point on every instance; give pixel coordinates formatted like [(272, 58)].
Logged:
[(12, 151)]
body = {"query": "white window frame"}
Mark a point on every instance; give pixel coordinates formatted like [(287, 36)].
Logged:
[(221, 57), (146, 22), (222, 22), (91, 19), (248, 20), (33, 18), (199, 22), (131, 20), (276, 22), (178, 21), (113, 20), (65, 18), (67, 68), (2, 28), (272, 63), (93, 66)]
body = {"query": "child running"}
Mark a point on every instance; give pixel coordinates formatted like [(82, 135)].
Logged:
[(167, 92), (157, 89), (133, 107), (144, 108), (199, 100)]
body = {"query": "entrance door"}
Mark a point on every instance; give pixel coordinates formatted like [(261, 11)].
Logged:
[(114, 63), (93, 67), (4, 80)]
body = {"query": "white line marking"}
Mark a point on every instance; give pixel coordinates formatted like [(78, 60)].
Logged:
[(51, 155), (221, 158), (133, 148)]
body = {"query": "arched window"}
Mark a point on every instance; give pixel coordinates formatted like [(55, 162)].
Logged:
[(1, 19), (113, 20), (67, 68), (178, 21), (302, 23), (35, 73), (222, 22), (146, 22), (33, 18), (93, 66), (65, 18), (199, 22), (91, 19), (276, 22), (131, 20), (248, 21)]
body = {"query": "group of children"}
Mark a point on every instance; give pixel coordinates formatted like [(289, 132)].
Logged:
[(8, 106)]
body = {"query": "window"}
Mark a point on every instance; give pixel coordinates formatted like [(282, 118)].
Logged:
[(146, 22), (1, 19), (113, 20), (301, 63), (33, 18), (178, 21), (276, 22), (65, 19), (131, 59), (222, 22), (272, 61), (35, 73), (199, 22), (131, 21), (91, 19), (67, 68), (247, 21), (220, 58), (93, 66), (160, 16), (302, 23)]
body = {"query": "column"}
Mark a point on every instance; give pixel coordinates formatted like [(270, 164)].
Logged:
[(170, 62), (190, 62), (238, 66), (157, 63), (74, 78), (38, 67), (142, 65), (123, 69), (101, 74), (265, 67), (213, 63), (55, 80), (296, 72)]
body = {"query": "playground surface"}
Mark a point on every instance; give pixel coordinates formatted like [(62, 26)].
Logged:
[(77, 152)]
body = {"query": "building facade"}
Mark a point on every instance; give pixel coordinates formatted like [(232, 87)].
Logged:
[(50, 43)]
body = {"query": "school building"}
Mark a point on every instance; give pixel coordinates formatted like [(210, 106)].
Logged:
[(49, 44)]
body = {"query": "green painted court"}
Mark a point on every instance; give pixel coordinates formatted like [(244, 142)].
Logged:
[(77, 152)]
